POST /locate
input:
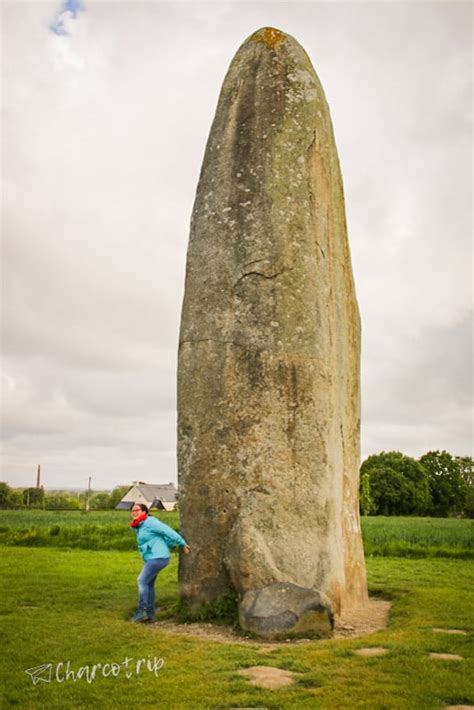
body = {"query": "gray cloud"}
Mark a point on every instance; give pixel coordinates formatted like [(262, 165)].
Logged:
[(103, 137), (428, 393)]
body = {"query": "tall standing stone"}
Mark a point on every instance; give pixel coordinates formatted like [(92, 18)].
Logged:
[(268, 370)]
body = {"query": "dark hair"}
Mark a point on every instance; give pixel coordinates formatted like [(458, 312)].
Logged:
[(142, 506)]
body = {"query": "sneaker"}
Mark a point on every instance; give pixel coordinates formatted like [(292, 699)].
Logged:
[(140, 616)]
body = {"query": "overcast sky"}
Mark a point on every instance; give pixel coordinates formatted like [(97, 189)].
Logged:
[(105, 120)]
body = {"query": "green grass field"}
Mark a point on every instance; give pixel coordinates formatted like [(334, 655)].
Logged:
[(108, 530), (46, 518), (62, 605), (418, 537), (97, 530)]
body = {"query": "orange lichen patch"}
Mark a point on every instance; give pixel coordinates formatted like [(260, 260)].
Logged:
[(268, 36)]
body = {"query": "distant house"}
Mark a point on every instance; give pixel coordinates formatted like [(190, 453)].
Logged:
[(162, 496)]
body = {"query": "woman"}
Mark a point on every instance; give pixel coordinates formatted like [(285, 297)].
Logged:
[(155, 539)]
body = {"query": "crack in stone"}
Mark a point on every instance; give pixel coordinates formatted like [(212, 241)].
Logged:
[(257, 273), (313, 141), (311, 193)]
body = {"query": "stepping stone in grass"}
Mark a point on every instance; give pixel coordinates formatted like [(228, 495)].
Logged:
[(451, 631), (371, 651), (459, 707), (269, 677), (447, 656)]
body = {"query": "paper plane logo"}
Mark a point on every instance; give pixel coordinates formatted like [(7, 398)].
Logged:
[(41, 673)]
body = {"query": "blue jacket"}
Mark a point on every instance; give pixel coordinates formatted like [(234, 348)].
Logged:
[(155, 539)]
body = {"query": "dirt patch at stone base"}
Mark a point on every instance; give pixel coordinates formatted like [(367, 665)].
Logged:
[(269, 677), (361, 621)]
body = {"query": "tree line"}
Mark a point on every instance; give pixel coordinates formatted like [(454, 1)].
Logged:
[(437, 484), (60, 500)]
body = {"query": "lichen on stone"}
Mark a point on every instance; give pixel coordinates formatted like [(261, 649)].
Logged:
[(268, 36)]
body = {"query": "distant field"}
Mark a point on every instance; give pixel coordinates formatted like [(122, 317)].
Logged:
[(96, 530), (418, 537), (44, 518), (108, 530)]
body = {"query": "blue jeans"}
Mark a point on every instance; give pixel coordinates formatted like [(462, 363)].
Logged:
[(146, 583)]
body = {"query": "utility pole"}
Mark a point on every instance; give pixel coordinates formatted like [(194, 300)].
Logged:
[(88, 493), (38, 477)]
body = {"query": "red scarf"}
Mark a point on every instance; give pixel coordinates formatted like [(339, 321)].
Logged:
[(135, 523)]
